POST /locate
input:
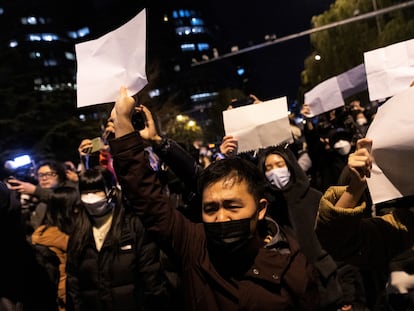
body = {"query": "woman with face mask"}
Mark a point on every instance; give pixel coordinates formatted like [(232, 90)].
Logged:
[(112, 263), (293, 202), (285, 180)]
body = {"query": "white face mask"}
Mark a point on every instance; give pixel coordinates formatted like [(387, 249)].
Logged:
[(97, 204), (278, 177), (92, 197), (342, 147)]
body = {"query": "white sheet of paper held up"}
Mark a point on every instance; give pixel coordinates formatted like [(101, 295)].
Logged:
[(116, 59), (390, 70), (259, 125), (392, 137)]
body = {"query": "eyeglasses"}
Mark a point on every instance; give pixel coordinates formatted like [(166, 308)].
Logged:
[(47, 175)]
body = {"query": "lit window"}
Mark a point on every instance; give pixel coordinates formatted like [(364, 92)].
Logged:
[(35, 37), (72, 34), (181, 13), (1, 11), (70, 56), (49, 62), (203, 96), (49, 37), (203, 46), (198, 30), (46, 88), (188, 47), (34, 55), (32, 20), (13, 44), (183, 31), (37, 81), (174, 14), (165, 18), (83, 32), (195, 21)]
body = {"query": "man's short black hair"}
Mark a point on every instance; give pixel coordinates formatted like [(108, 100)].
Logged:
[(237, 167)]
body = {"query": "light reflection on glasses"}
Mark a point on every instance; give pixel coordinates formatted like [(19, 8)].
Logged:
[(47, 175)]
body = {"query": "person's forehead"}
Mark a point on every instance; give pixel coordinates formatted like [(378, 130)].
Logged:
[(227, 185), (44, 168), (274, 157)]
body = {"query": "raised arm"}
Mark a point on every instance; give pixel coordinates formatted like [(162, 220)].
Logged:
[(360, 164)]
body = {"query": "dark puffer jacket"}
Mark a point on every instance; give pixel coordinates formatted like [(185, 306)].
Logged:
[(123, 276)]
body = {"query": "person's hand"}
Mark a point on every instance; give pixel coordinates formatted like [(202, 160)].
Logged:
[(20, 186), (149, 132), (85, 145), (255, 99), (306, 111), (400, 282), (229, 145), (72, 176), (360, 162), (122, 112), (109, 132)]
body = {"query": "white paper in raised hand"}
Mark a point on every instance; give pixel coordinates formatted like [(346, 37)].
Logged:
[(324, 97), (116, 59), (392, 137), (259, 125), (390, 70), (352, 81)]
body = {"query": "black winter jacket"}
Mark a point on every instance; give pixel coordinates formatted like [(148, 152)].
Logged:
[(125, 276)]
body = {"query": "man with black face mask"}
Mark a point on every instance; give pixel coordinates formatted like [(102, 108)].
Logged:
[(236, 258)]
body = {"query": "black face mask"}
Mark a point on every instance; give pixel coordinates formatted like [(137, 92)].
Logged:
[(229, 236)]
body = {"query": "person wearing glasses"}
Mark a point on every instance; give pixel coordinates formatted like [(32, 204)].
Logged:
[(50, 175)]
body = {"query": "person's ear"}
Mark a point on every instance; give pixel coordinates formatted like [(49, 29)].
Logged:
[(262, 208)]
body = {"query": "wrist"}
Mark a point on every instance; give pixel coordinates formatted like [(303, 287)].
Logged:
[(157, 139)]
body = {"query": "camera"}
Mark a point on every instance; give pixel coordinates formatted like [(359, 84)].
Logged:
[(97, 145), (138, 120), (13, 184)]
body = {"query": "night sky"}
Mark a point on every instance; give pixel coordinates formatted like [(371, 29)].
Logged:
[(273, 71)]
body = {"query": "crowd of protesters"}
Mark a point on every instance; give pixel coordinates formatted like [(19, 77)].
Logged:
[(145, 224)]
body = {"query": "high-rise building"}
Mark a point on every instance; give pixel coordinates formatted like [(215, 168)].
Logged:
[(37, 33), (43, 34)]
